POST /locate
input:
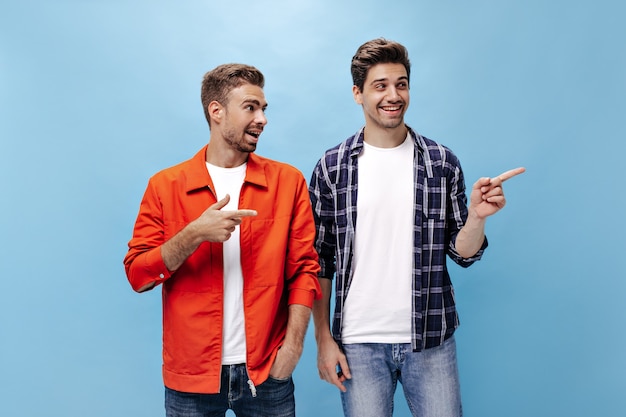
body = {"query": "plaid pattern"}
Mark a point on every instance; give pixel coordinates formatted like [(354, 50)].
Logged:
[(440, 212)]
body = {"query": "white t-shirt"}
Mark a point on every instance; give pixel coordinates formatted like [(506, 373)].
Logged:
[(229, 181), (378, 305)]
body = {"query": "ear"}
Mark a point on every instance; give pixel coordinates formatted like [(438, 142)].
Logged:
[(356, 93), (216, 111)]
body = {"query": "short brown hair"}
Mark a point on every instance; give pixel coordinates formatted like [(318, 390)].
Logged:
[(377, 51), (218, 83)]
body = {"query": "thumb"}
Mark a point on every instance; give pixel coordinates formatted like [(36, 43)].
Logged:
[(344, 368), (220, 204)]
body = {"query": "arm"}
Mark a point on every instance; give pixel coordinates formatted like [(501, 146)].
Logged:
[(150, 261), (213, 225), (330, 359), (301, 270), (329, 356), (486, 199), (289, 354)]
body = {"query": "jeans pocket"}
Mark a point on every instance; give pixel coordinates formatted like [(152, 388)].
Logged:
[(279, 380)]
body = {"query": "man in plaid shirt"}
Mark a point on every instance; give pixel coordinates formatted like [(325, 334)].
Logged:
[(395, 313)]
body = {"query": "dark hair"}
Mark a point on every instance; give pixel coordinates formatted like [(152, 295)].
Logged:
[(218, 83), (377, 51)]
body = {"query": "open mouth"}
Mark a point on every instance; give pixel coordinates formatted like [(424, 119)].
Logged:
[(254, 134), (391, 108)]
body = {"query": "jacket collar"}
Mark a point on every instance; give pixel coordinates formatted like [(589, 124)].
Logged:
[(197, 175)]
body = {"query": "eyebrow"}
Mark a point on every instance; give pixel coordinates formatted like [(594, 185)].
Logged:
[(403, 78), (254, 101)]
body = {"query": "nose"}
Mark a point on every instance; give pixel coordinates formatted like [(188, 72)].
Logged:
[(393, 94), (260, 118)]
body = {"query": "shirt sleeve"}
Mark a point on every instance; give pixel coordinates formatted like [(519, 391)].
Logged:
[(143, 262), (302, 264), (321, 197), (457, 215)]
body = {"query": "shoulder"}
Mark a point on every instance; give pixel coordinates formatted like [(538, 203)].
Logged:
[(192, 170), (170, 174), (343, 150), (273, 167), (437, 152)]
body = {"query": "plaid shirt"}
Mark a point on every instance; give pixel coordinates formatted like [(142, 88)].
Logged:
[(440, 206)]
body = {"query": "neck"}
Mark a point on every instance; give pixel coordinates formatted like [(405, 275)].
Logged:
[(385, 137), (224, 157)]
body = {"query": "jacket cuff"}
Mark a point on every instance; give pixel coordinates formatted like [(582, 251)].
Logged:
[(300, 296), (152, 271)]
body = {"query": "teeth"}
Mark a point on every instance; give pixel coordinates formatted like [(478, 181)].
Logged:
[(391, 108)]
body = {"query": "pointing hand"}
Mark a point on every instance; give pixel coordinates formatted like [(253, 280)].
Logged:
[(487, 196), (217, 225)]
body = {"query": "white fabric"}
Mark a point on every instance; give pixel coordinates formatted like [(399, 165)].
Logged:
[(229, 181), (378, 306)]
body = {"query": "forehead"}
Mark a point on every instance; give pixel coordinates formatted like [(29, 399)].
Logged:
[(388, 71), (247, 93)]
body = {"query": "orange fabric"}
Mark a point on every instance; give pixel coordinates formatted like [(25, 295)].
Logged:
[(279, 266)]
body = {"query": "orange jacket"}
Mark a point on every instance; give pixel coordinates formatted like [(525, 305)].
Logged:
[(278, 261)]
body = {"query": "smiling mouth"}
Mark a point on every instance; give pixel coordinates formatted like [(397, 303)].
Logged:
[(391, 108), (254, 134)]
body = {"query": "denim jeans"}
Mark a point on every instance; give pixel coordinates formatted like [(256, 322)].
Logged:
[(429, 379), (273, 397)]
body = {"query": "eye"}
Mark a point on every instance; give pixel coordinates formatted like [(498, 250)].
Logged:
[(403, 85), (380, 86)]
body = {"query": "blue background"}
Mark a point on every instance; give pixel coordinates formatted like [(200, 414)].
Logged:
[(96, 96)]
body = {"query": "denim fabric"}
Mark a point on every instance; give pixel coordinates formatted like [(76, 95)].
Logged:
[(271, 398), (429, 379)]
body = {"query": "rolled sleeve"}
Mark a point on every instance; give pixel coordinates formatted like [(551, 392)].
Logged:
[(146, 269), (323, 213), (458, 215), (143, 263), (302, 264), (303, 296)]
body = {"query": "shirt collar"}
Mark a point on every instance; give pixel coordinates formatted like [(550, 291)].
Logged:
[(356, 147), (198, 177)]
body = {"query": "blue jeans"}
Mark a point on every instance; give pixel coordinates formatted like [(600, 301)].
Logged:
[(273, 397), (430, 380)]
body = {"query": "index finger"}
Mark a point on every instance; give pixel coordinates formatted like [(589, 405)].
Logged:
[(510, 174), (243, 213)]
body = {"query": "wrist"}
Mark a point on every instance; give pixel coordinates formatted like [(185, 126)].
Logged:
[(474, 218), (323, 335), (191, 233)]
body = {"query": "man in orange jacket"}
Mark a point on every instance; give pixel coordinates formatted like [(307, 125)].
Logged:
[(234, 253)]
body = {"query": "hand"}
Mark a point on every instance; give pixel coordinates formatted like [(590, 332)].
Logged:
[(214, 225), (487, 196), (285, 362), (217, 225), (329, 359)]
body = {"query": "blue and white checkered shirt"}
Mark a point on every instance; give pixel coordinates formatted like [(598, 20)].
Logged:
[(440, 208)]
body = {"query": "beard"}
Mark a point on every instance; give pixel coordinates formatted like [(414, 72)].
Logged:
[(389, 124), (238, 142)]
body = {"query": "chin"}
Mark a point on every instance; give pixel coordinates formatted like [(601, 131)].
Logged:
[(248, 149)]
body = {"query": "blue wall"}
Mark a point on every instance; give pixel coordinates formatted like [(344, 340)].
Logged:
[(95, 96)]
